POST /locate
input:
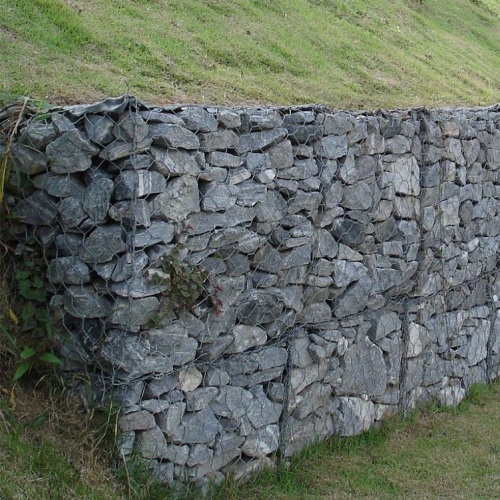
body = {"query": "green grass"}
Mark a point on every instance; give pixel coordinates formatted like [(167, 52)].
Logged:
[(346, 54)]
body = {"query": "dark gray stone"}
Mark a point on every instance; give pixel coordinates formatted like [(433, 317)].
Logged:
[(257, 141), (96, 199), (133, 312), (38, 209), (85, 302), (331, 147), (104, 243), (199, 120), (71, 152), (175, 163), (180, 198), (218, 141), (158, 232), (173, 136), (260, 306), (131, 213), (60, 186), (349, 232), (99, 129), (68, 270), (28, 160)]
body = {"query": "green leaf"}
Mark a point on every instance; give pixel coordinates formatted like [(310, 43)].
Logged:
[(21, 370), (48, 357), (28, 311), (27, 352)]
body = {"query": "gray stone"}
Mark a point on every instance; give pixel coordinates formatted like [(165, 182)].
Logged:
[(311, 399), (170, 419), (175, 343), (28, 160), (331, 147), (304, 201), (71, 152), (357, 197), (175, 163), (262, 443), (353, 416), (384, 325), (96, 199), (218, 141), (198, 119), (84, 302), (131, 213), (99, 129), (158, 232), (60, 186), (232, 402), (200, 398), (227, 160), (218, 197), (364, 370), (173, 136), (300, 169), (133, 312), (104, 243), (349, 232), (200, 454), (346, 272), (38, 209), (229, 118), (132, 184), (315, 314), (262, 411), (137, 421), (303, 134), (151, 443), (260, 306), (403, 174), (68, 270), (179, 199), (267, 259), (245, 337), (338, 123), (257, 141)]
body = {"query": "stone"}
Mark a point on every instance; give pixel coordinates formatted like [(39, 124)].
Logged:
[(68, 270), (262, 411), (403, 174), (231, 402), (175, 163), (133, 312), (104, 243), (365, 371), (96, 199), (226, 160), (132, 184), (137, 421), (315, 314), (257, 141), (85, 302), (357, 197), (346, 272), (131, 127), (71, 152), (179, 199), (198, 119), (299, 170), (353, 416), (151, 443), (331, 147), (200, 398), (303, 134), (170, 419), (218, 197), (349, 232), (131, 213), (384, 325), (190, 379), (218, 141), (38, 209), (262, 443), (178, 346), (245, 337), (60, 186), (27, 160), (229, 118), (99, 129), (158, 232), (173, 136)]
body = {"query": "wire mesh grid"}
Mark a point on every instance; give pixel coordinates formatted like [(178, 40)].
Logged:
[(246, 281)]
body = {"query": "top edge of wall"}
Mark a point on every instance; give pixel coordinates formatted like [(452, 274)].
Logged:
[(119, 104)]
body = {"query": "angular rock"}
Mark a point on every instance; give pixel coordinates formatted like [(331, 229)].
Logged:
[(132, 184), (104, 243), (133, 312)]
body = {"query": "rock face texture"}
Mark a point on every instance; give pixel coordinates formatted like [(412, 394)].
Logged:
[(245, 281)]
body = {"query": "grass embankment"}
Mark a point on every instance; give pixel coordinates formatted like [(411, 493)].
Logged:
[(343, 53)]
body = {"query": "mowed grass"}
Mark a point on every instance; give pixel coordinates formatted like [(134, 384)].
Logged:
[(435, 453), (343, 53)]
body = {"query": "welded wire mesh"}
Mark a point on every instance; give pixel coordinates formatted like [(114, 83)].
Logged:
[(246, 281)]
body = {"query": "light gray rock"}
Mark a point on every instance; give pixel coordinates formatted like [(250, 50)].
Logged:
[(232, 402), (198, 119), (175, 163), (175, 343), (200, 398), (245, 337), (133, 312), (331, 147), (257, 141), (262, 411), (262, 443), (365, 371), (218, 141), (179, 199), (137, 421), (403, 174), (173, 136), (353, 416), (158, 232), (132, 184)]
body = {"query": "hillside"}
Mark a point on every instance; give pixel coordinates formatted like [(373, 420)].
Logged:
[(343, 53)]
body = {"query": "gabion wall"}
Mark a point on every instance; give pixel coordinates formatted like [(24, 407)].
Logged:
[(246, 281)]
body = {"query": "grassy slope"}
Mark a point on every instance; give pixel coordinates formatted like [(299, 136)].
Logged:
[(344, 53)]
